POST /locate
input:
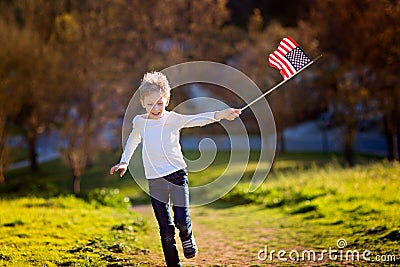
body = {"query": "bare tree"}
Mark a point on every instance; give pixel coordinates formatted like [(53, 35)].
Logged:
[(361, 60), (9, 98), (27, 72), (35, 72), (77, 107)]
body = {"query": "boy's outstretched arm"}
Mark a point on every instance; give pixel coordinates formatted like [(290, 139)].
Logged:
[(120, 166), (228, 114), (133, 140)]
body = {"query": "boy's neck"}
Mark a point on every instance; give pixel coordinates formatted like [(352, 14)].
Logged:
[(155, 119)]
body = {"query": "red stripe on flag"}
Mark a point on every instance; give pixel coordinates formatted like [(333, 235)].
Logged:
[(281, 64), (275, 57), (283, 47), (274, 63), (287, 45), (289, 67), (292, 41)]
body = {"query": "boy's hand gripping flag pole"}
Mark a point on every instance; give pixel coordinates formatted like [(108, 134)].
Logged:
[(290, 59)]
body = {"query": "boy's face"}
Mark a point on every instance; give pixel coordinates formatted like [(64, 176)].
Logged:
[(155, 104)]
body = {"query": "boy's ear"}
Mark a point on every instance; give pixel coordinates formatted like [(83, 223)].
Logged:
[(142, 103), (167, 103)]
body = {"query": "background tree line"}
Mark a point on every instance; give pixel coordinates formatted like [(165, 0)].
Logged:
[(72, 66)]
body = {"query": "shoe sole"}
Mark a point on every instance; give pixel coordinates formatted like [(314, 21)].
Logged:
[(190, 256)]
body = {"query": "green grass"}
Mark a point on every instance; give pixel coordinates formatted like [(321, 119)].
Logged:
[(310, 200), (314, 207), (67, 231)]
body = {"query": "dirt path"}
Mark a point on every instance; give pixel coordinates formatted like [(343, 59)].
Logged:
[(231, 237), (215, 249)]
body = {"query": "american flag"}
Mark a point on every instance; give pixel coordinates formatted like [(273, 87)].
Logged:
[(289, 58)]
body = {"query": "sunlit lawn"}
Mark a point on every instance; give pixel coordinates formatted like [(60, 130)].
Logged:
[(314, 208), (309, 201)]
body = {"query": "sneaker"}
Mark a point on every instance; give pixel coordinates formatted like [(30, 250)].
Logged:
[(189, 248)]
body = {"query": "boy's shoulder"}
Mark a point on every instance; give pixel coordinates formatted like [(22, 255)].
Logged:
[(173, 113), (175, 116), (138, 118)]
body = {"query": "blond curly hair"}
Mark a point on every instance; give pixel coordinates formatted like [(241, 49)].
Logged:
[(154, 82)]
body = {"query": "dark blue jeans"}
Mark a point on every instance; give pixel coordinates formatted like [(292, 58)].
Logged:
[(172, 187)]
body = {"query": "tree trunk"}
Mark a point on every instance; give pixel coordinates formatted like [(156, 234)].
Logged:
[(281, 142), (33, 156), (2, 177), (2, 160), (87, 149), (348, 145), (397, 120), (76, 183), (88, 133), (390, 132), (391, 144), (398, 141), (73, 159)]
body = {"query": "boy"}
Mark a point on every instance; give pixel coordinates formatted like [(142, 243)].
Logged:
[(165, 168)]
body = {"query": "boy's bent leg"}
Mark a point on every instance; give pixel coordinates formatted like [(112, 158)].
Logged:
[(180, 199), (182, 221), (167, 232), (184, 224), (159, 196)]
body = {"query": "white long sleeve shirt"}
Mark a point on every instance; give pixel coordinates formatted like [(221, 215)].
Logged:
[(161, 151)]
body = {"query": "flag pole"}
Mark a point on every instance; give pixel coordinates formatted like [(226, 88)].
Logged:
[(280, 84)]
